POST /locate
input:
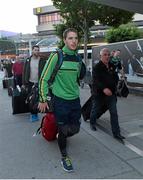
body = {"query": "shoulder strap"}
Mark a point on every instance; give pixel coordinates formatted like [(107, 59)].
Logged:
[(39, 129), (82, 67), (79, 57), (57, 66)]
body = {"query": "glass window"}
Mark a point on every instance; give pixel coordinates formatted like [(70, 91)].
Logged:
[(54, 17), (47, 18)]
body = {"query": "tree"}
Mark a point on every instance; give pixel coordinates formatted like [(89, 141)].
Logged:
[(123, 33), (81, 14), (59, 28), (112, 16), (77, 14)]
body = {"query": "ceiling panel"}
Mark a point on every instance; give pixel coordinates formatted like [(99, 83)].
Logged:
[(130, 5)]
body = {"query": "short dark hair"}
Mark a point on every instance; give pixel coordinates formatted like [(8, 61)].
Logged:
[(69, 30), (35, 46)]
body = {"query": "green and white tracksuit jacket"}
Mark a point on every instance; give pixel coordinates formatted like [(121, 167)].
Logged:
[(65, 84)]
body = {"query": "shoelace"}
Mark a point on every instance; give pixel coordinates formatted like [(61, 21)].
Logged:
[(68, 162)]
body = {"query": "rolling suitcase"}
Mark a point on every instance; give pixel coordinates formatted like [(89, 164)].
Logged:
[(19, 102), (11, 86), (10, 90), (5, 83), (86, 109)]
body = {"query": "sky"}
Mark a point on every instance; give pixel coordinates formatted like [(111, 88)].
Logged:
[(17, 15)]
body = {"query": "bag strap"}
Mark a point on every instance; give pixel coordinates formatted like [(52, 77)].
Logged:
[(39, 129), (124, 78), (57, 66)]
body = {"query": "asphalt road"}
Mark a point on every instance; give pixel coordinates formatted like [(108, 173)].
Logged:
[(94, 154)]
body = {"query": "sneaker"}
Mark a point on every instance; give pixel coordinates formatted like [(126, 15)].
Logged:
[(34, 117), (66, 164)]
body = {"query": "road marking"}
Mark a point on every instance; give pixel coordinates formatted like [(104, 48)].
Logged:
[(125, 142), (133, 148), (134, 134)]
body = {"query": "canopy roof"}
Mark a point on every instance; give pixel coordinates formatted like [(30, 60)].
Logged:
[(135, 6)]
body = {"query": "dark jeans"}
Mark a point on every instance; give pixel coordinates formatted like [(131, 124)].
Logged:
[(67, 113), (99, 105)]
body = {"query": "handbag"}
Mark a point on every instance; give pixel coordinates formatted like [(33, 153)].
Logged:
[(122, 88), (33, 97), (33, 100)]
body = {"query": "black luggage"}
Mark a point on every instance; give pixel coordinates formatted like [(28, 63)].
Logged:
[(122, 88), (5, 83), (86, 109), (11, 86), (18, 102), (10, 90)]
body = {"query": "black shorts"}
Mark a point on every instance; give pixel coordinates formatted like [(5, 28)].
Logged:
[(67, 112)]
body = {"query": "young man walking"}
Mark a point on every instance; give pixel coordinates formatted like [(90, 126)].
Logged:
[(65, 89), (33, 67)]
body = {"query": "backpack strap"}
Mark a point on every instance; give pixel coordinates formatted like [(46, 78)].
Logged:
[(57, 66), (82, 68), (39, 129)]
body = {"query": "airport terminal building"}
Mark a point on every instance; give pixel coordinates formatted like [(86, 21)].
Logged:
[(48, 16)]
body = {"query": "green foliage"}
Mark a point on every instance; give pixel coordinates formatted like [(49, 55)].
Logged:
[(112, 16), (123, 33), (59, 29), (141, 33), (81, 15), (76, 13)]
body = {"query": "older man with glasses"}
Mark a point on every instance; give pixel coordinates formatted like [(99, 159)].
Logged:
[(104, 83)]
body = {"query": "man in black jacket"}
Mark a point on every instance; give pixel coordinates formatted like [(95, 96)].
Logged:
[(104, 92), (32, 70)]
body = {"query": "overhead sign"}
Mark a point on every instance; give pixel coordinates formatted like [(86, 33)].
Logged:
[(38, 10)]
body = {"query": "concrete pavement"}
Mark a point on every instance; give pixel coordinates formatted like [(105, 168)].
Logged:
[(94, 154)]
